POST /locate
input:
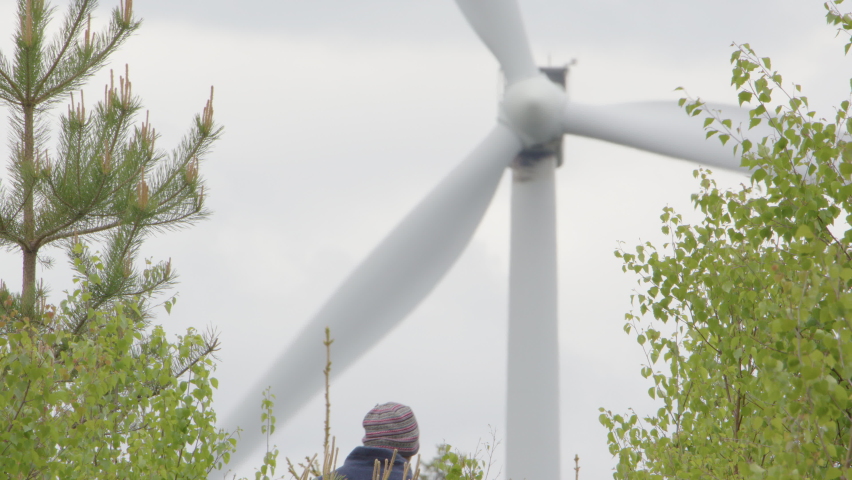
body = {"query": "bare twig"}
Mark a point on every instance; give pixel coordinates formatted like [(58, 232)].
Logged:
[(577, 467), (328, 341)]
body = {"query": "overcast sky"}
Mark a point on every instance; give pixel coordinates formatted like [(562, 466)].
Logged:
[(341, 115)]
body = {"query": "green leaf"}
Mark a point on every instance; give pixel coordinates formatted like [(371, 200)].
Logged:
[(810, 373), (804, 231)]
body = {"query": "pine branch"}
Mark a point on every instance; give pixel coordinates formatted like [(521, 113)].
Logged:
[(29, 39), (69, 32), (79, 202), (8, 85), (79, 69), (56, 235), (117, 280)]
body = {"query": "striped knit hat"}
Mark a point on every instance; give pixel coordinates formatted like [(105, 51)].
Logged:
[(392, 426)]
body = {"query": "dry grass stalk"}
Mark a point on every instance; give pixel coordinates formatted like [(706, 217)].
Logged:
[(383, 472), (416, 475), (389, 466)]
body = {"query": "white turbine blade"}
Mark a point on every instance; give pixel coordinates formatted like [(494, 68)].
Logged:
[(498, 23), (661, 127), (385, 288)]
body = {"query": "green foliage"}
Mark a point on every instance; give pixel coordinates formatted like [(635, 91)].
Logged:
[(106, 402), (750, 309), (449, 465), (270, 458), (454, 465)]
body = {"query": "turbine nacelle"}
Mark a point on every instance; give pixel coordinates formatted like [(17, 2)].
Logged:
[(532, 108)]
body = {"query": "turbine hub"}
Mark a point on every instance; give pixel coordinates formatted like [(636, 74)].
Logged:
[(532, 108)]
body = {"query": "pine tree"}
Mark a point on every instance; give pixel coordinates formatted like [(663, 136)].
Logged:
[(88, 389), (106, 178)]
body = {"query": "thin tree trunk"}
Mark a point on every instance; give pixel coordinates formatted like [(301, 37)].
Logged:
[(29, 290), (30, 250)]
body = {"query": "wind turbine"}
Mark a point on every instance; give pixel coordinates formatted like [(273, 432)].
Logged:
[(404, 268)]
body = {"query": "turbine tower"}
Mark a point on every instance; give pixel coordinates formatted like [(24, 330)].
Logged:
[(405, 267), (532, 397)]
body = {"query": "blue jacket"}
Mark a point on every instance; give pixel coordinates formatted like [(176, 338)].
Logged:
[(359, 464)]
